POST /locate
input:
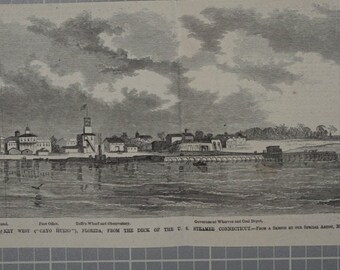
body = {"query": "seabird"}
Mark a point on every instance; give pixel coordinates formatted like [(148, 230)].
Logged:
[(37, 187)]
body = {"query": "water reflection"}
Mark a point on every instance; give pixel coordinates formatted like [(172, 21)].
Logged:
[(76, 189)]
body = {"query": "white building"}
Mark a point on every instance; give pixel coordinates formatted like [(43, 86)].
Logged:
[(131, 148), (44, 144), (12, 144), (214, 145), (172, 138), (30, 143), (231, 143), (71, 142), (113, 144)]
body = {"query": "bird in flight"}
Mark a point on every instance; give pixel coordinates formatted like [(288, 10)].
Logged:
[(37, 187)]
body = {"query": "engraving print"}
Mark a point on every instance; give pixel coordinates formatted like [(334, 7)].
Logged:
[(169, 109)]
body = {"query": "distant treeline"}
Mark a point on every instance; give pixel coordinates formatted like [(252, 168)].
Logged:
[(299, 132)]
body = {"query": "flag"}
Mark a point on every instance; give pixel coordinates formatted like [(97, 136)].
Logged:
[(83, 107)]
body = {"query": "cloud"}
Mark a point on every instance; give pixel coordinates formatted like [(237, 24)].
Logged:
[(145, 81), (219, 82), (238, 110), (146, 34), (268, 75), (312, 100), (83, 33), (287, 31), (57, 80)]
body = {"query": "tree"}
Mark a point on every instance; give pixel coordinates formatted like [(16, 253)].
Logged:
[(209, 136), (54, 145), (199, 135), (321, 131), (282, 131), (124, 137)]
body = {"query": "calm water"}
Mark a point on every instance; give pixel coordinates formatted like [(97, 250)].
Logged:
[(158, 189)]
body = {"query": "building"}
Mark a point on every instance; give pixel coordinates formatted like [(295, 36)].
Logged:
[(86, 140), (230, 143), (172, 138), (71, 142), (143, 138), (113, 144), (240, 138), (201, 146), (70, 149), (195, 147), (14, 151), (44, 144), (2, 146), (131, 148), (159, 146), (26, 144), (216, 144), (187, 136), (43, 152), (27, 152), (12, 143), (178, 137), (273, 152)]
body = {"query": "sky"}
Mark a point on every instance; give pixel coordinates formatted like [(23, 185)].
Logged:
[(169, 65)]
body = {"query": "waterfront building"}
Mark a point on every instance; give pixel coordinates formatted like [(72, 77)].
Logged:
[(70, 149), (159, 146), (26, 144), (195, 147), (240, 138), (113, 144), (201, 146), (231, 143), (30, 143), (172, 138), (86, 140), (186, 136), (143, 138), (2, 145), (12, 142), (216, 144), (71, 142), (42, 152), (131, 148), (13, 151), (43, 144)]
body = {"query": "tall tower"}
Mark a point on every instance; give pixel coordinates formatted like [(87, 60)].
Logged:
[(87, 129)]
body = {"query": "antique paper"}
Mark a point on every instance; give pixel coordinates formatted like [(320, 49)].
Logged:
[(170, 123)]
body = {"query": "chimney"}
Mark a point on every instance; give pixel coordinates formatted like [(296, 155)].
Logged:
[(17, 133)]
